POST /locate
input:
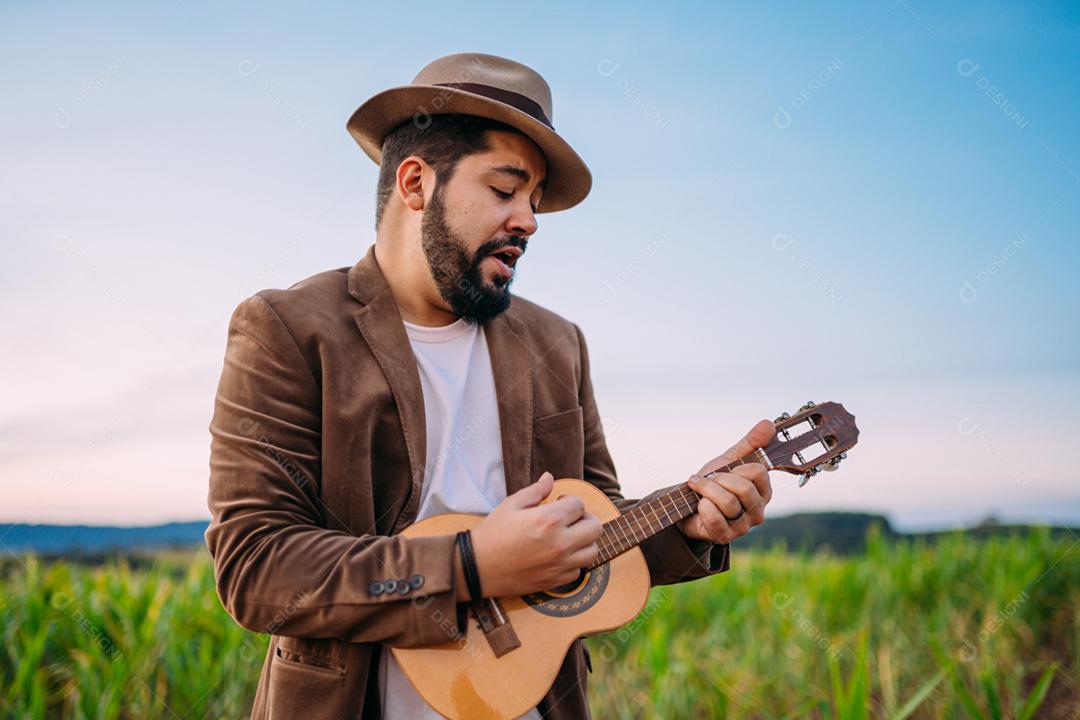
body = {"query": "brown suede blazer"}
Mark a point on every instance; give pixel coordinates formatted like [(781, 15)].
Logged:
[(317, 457)]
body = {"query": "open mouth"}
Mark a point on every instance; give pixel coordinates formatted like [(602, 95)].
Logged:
[(504, 260)]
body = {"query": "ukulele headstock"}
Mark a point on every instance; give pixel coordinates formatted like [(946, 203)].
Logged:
[(815, 438)]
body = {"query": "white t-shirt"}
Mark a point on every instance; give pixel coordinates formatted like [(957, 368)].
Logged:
[(464, 464)]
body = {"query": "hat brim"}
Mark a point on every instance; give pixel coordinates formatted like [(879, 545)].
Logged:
[(568, 177)]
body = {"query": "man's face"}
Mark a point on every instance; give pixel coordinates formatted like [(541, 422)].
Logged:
[(479, 223)]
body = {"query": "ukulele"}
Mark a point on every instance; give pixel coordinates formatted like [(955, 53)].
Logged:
[(514, 646)]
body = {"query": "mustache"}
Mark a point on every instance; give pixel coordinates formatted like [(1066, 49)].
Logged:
[(493, 245)]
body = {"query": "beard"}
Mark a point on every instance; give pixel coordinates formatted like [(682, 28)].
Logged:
[(457, 273)]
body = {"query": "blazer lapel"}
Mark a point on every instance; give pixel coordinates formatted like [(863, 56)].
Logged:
[(380, 323), (511, 364)]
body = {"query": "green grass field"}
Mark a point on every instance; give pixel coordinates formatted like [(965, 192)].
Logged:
[(960, 628)]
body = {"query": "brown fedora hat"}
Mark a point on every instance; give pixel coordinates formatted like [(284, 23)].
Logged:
[(489, 86)]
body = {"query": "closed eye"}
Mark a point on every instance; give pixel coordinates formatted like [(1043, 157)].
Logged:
[(507, 195)]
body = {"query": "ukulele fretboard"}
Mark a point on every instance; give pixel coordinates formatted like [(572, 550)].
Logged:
[(659, 513)]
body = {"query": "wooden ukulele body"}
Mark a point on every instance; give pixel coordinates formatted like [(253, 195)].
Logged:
[(465, 680)]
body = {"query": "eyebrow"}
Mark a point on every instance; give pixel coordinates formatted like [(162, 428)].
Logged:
[(519, 173)]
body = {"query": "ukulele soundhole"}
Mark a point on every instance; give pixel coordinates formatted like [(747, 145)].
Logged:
[(573, 598)]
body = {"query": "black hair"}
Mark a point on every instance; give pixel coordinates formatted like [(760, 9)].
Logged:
[(441, 140)]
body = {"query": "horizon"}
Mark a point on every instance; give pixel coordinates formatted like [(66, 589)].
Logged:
[(988, 521)]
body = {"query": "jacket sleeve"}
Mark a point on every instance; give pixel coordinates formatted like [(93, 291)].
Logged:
[(279, 566), (672, 557)]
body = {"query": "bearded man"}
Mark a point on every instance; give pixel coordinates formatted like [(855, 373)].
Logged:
[(365, 398)]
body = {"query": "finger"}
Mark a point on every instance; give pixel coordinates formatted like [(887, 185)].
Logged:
[(747, 493), (691, 526), (713, 521), (569, 509), (532, 495), (728, 529), (585, 531), (567, 577), (583, 557), (721, 497), (759, 436), (757, 474)]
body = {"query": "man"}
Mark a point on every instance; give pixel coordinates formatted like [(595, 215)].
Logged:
[(363, 399)]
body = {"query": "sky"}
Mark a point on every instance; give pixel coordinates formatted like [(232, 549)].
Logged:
[(871, 203)]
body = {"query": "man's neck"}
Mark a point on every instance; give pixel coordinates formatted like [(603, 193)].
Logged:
[(409, 291)]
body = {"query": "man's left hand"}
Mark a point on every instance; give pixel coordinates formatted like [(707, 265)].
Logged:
[(724, 494)]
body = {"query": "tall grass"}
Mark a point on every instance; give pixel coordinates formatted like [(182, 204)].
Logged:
[(962, 628), (115, 643)]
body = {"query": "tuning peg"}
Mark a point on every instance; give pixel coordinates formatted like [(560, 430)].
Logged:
[(809, 474), (783, 416), (830, 465), (809, 404)]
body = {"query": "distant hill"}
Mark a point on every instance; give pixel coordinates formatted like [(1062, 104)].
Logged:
[(92, 539), (845, 532), (839, 532)]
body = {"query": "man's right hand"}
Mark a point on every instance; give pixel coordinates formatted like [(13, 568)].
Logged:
[(524, 547)]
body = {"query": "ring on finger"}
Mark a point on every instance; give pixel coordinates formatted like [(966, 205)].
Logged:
[(737, 515)]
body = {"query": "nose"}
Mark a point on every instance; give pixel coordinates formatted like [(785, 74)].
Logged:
[(523, 220)]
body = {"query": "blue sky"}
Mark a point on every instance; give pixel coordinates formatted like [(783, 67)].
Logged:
[(874, 203)]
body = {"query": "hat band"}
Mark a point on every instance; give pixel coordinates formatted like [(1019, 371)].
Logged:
[(525, 104)]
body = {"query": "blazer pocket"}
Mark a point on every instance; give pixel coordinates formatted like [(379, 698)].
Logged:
[(559, 445), (313, 687), (299, 687), (314, 655), (296, 661), (551, 423)]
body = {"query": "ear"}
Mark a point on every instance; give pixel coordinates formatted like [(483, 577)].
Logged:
[(413, 174)]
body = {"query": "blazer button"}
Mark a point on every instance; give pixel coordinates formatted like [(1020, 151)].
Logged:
[(390, 585), (376, 588), (403, 587), (416, 581)]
